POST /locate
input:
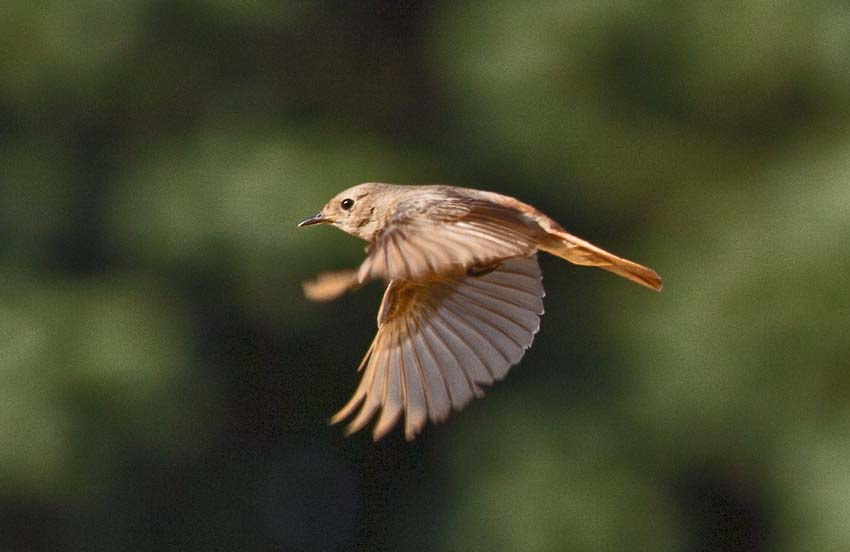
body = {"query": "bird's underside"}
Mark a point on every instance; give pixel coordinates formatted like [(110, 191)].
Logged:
[(440, 340)]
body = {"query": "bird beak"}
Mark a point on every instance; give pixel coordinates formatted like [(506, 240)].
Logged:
[(317, 219)]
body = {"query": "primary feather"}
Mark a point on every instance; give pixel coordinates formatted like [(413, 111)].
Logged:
[(440, 341)]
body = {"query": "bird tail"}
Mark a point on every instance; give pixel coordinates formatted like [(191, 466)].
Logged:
[(580, 252)]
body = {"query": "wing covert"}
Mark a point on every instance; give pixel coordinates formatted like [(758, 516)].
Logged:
[(450, 236)]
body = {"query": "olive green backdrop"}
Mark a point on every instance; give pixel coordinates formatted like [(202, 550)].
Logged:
[(165, 386)]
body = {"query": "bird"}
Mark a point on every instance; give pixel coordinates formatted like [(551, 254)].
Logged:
[(464, 293)]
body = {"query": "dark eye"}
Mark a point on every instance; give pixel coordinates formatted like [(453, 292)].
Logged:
[(347, 204)]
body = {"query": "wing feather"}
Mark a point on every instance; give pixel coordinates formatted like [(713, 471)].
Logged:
[(439, 341), (416, 398), (377, 365), (460, 388), (522, 299), (439, 400), (476, 362), (392, 402), (447, 236), (516, 319)]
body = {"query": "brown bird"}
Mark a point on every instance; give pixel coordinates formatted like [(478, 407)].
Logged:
[(464, 297)]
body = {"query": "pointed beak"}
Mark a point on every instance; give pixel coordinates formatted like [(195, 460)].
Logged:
[(317, 219)]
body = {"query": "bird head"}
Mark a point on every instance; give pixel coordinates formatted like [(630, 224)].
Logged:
[(356, 211)]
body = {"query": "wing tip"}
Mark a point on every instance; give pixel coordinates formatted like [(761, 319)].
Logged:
[(411, 430), (338, 417), (329, 286), (385, 424)]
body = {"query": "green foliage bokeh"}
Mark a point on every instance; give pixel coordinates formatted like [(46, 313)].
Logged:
[(164, 384)]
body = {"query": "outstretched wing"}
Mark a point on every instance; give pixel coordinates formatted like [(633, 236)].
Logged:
[(424, 238), (440, 341)]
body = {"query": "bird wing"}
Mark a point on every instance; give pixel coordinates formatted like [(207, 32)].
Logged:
[(424, 238), (328, 286), (440, 340)]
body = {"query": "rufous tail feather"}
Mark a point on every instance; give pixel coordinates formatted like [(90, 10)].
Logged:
[(581, 252)]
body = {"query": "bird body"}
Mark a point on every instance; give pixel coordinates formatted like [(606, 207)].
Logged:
[(464, 292)]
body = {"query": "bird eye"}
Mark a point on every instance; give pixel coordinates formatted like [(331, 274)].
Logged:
[(347, 204)]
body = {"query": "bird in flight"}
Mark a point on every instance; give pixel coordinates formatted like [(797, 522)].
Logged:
[(464, 294)]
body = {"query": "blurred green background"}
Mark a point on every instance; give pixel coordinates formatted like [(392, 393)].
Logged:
[(164, 385)]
